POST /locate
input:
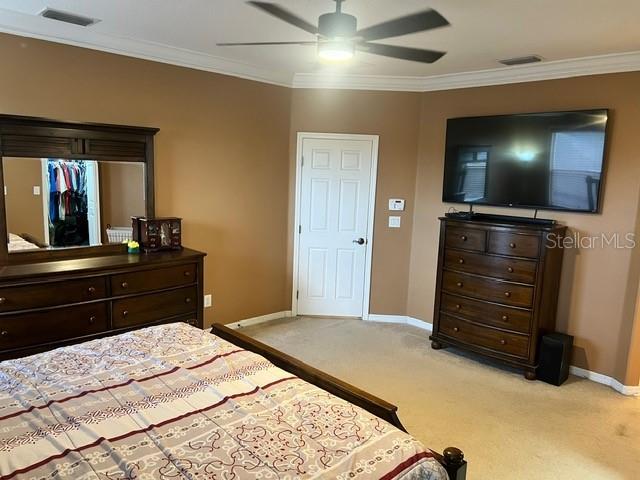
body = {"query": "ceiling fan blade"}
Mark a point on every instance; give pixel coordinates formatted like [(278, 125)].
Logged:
[(403, 53), (417, 22), (264, 43), (285, 15)]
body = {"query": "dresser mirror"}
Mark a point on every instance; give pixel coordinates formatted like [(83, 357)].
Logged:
[(70, 189), (53, 203)]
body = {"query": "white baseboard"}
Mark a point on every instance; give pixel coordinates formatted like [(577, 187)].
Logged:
[(605, 380), (415, 322), (261, 319)]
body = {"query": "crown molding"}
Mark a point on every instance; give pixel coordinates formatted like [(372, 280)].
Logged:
[(24, 25), (575, 67)]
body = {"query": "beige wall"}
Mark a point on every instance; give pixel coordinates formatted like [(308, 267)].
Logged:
[(24, 209), (599, 286), (395, 118), (121, 194), (222, 154)]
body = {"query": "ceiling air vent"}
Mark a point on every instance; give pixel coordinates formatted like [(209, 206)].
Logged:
[(67, 17), (521, 60)]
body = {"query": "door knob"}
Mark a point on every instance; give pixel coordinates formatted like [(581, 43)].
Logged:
[(359, 241)]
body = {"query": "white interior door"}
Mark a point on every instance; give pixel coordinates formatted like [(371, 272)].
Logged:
[(93, 202), (334, 204)]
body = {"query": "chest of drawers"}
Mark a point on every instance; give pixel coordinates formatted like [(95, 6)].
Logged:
[(48, 304), (497, 288)]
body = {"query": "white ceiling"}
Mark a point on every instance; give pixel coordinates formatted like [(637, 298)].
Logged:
[(185, 32)]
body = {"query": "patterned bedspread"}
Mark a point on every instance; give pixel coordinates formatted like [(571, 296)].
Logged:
[(174, 402)]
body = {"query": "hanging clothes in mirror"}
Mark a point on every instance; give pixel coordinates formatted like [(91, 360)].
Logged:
[(68, 223)]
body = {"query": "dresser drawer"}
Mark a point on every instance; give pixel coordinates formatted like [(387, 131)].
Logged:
[(505, 243), (154, 307), (487, 289), (22, 330), (146, 281), (51, 294), (466, 238), (513, 269), (487, 313), (503, 342)]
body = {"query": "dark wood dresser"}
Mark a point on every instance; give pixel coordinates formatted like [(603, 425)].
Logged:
[(47, 304), (497, 288)]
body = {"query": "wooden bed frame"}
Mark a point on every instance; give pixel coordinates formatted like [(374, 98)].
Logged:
[(452, 459)]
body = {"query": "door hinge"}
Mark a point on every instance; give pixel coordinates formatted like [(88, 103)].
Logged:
[(297, 294), (302, 163), (299, 229)]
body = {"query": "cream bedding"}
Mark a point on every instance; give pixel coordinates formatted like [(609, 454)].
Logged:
[(173, 402)]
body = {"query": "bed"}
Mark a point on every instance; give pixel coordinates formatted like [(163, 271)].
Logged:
[(173, 401), (22, 242)]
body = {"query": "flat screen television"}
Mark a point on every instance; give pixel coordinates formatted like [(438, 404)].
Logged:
[(549, 161)]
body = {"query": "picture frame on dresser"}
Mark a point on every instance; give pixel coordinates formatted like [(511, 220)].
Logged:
[(497, 287)]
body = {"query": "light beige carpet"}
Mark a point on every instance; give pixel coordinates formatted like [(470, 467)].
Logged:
[(509, 428)]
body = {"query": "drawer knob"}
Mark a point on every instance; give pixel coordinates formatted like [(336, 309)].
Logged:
[(4, 333), (456, 329), (507, 294), (125, 313), (92, 319), (187, 300), (463, 238), (503, 342), (2, 300), (458, 306), (512, 245), (461, 261), (459, 284), (510, 269), (91, 290), (187, 273), (124, 285), (505, 318)]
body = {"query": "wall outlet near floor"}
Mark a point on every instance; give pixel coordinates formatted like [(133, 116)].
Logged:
[(207, 301)]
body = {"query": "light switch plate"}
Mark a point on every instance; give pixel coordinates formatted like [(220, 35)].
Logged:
[(207, 301), (396, 204), (36, 189), (394, 222)]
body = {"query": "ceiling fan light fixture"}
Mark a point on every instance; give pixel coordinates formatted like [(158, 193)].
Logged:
[(337, 50)]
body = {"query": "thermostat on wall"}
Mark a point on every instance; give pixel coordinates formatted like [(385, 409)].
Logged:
[(396, 204)]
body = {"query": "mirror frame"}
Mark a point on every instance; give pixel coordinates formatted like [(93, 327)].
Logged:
[(32, 137)]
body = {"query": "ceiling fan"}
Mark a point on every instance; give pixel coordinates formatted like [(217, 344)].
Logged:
[(338, 36)]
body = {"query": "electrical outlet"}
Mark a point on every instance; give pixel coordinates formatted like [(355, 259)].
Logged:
[(207, 301)]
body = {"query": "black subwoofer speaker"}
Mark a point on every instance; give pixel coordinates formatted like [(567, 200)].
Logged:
[(555, 356)]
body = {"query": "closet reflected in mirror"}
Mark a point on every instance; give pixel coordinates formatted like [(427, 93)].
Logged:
[(55, 203)]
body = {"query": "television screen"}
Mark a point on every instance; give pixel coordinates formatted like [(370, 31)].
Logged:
[(548, 161)]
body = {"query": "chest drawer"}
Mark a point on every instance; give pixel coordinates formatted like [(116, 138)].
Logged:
[(22, 330), (143, 309), (517, 245), (513, 269), (487, 313), (487, 289), (145, 281), (503, 342), (51, 294), (466, 238)]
